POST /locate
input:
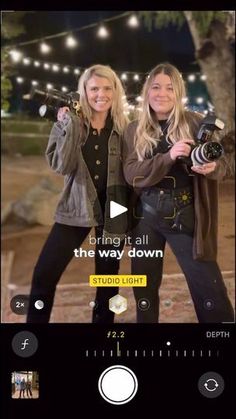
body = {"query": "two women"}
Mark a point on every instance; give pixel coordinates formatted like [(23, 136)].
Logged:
[(177, 203), (85, 149)]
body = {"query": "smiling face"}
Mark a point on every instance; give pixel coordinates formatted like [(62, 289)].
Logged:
[(161, 96), (99, 92)]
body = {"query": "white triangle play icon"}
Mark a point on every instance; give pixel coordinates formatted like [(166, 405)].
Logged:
[(116, 209)]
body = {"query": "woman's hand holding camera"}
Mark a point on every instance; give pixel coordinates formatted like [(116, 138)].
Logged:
[(62, 113), (205, 168), (181, 148)]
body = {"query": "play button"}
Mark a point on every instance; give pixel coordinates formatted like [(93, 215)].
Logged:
[(116, 209)]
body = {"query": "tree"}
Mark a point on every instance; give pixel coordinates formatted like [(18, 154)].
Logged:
[(11, 28), (213, 35)]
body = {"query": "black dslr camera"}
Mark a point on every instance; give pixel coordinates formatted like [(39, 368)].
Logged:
[(206, 150), (53, 100)]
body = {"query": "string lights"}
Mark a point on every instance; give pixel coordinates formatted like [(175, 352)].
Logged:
[(71, 41), (124, 76), (67, 69), (134, 101)]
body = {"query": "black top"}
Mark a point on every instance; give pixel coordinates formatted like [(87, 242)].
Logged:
[(179, 171), (95, 154)]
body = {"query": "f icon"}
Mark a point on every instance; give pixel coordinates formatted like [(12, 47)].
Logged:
[(24, 344)]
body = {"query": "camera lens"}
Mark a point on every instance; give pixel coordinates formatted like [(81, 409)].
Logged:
[(206, 153), (213, 151), (48, 112), (42, 110)]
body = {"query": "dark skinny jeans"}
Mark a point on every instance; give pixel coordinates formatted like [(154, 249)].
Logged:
[(204, 278), (56, 254)]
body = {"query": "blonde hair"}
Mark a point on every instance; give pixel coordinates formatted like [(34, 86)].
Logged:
[(117, 110), (148, 130)]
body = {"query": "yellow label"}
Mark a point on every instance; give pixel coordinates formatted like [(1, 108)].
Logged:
[(118, 280)]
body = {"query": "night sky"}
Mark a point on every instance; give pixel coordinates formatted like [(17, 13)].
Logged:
[(126, 49), (133, 49)]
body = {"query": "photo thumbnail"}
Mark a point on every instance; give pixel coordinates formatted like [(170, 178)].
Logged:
[(25, 385)]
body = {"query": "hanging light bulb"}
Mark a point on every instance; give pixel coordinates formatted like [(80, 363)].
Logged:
[(124, 76), (26, 61), (71, 42), (15, 55), (102, 32), (19, 80), (45, 48), (136, 77), (191, 78), (55, 67), (133, 21), (203, 77)]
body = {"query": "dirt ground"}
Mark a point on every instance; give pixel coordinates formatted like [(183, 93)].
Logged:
[(19, 174)]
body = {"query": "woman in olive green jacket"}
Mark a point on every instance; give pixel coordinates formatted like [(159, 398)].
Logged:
[(86, 149)]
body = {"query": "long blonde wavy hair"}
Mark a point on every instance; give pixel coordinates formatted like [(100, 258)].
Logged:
[(117, 110), (148, 131)]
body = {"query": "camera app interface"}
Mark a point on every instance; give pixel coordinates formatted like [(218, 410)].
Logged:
[(117, 212)]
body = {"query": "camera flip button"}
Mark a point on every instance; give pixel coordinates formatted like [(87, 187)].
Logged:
[(211, 384)]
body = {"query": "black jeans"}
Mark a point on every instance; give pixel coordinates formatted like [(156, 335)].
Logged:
[(56, 254), (21, 391), (204, 278)]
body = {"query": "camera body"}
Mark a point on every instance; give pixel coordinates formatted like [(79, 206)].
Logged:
[(206, 150), (53, 100)]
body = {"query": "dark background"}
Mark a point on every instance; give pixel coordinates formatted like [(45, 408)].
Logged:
[(127, 49)]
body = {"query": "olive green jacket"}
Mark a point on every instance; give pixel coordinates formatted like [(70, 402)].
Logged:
[(79, 204)]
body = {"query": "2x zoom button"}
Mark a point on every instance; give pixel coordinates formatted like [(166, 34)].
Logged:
[(19, 304)]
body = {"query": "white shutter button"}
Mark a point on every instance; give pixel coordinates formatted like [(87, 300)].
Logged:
[(118, 384)]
